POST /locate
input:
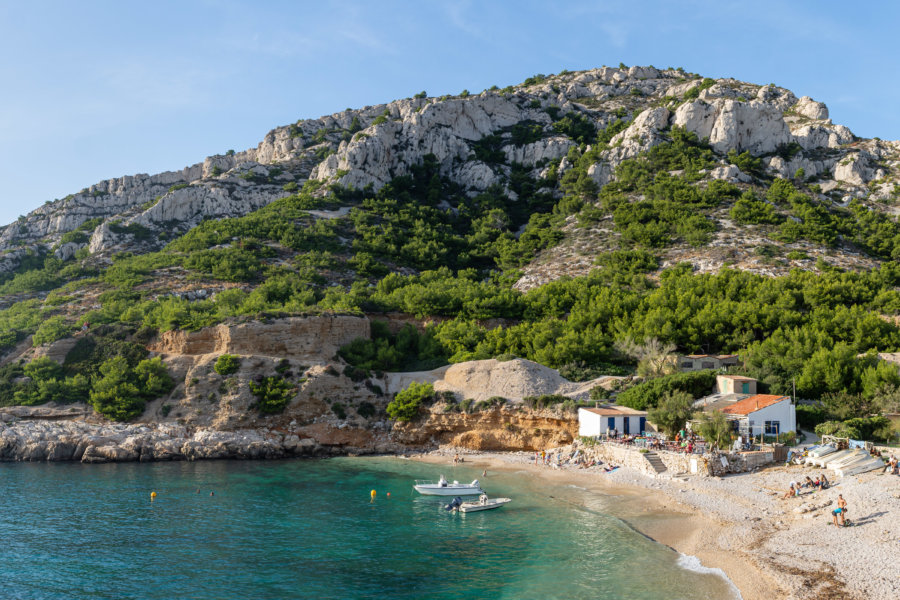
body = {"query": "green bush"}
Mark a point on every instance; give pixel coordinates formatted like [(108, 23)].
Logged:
[(273, 394), (544, 401), (750, 210), (809, 416), (54, 328), (227, 364), (405, 405), (114, 394), (366, 409), (879, 429), (649, 393), (338, 409), (672, 412)]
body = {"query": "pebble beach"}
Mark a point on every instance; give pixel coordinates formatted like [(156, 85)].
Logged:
[(768, 546)]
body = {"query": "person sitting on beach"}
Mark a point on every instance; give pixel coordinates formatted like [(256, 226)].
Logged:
[(825, 485), (809, 482), (790, 493)]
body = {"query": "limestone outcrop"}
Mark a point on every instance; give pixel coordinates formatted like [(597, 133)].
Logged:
[(298, 338), (371, 145)]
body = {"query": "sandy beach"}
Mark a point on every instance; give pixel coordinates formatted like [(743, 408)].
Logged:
[(768, 547)]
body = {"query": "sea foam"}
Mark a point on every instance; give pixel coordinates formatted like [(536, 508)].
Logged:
[(690, 562)]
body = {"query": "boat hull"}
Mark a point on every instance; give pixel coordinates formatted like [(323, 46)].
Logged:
[(467, 507), (448, 490)]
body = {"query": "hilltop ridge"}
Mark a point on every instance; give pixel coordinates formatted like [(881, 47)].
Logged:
[(476, 140)]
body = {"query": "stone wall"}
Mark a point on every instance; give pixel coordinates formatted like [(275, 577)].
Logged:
[(704, 465)]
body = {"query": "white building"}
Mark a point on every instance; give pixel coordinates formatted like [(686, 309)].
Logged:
[(598, 421), (762, 414)]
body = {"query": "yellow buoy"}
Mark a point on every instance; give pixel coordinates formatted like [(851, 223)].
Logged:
[(152, 495), (373, 494)]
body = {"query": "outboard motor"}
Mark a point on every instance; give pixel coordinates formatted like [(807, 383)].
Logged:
[(455, 504), (474, 483)]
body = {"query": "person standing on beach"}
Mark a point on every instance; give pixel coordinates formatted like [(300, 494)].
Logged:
[(840, 510)]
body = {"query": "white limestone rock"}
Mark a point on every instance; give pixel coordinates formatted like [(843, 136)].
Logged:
[(475, 175), (643, 133), (812, 136), (854, 169), (730, 173), (546, 149), (601, 173), (811, 109)]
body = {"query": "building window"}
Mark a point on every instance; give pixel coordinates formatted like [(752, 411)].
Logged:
[(688, 364), (773, 427), (708, 365)]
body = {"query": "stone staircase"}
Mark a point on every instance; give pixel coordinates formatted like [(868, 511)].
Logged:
[(655, 462)]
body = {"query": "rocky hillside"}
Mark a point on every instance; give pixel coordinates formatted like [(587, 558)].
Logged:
[(476, 140), (551, 220)]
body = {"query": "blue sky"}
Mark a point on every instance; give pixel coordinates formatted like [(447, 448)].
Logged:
[(91, 90)]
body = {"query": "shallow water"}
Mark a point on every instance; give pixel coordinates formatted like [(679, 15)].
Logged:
[(307, 529)]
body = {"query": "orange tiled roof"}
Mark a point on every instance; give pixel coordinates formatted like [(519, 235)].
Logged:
[(753, 404)]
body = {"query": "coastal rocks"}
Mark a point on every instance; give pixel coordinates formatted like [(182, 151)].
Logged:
[(41, 441), (497, 429)]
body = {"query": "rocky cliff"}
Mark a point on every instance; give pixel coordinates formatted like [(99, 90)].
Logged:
[(509, 184), (369, 146)]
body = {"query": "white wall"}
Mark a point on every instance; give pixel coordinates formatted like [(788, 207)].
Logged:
[(784, 412), (591, 424)]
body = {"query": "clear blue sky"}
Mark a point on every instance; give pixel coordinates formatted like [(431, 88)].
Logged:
[(96, 89)]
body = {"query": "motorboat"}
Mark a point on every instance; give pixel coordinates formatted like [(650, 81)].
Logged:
[(483, 503), (444, 488)]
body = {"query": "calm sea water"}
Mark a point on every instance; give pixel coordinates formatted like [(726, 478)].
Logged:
[(307, 529)]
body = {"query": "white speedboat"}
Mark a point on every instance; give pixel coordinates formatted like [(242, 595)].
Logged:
[(444, 488), (483, 503)]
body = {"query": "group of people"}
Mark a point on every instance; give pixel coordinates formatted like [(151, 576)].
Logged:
[(819, 483), (891, 467)]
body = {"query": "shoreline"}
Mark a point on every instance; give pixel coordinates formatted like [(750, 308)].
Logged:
[(671, 524), (739, 524)]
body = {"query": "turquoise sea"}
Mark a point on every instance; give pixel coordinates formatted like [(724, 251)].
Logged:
[(308, 529)]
